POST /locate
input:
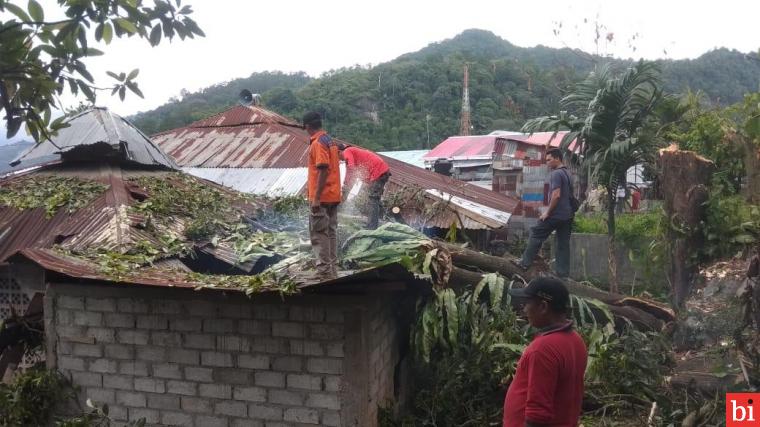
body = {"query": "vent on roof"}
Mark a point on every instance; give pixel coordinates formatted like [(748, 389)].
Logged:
[(247, 98)]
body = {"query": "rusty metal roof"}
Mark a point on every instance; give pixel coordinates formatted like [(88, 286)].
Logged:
[(98, 129)]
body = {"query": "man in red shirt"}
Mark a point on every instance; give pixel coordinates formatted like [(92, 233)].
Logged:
[(324, 195), (374, 173), (548, 386)]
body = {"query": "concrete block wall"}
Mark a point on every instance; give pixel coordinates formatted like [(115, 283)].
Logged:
[(383, 354), (190, 362)]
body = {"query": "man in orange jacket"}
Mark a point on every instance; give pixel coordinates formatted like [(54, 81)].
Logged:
[(324, 195)]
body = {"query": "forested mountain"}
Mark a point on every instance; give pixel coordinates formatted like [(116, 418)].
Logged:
[(387, 106)]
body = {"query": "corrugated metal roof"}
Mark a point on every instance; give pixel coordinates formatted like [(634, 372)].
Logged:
[(99, 127), (474, 215), (464, 148), (252, 137), (412, 157), (273, 182), (541, 139)]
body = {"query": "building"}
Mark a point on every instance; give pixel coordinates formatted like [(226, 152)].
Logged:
[(254, 150), (152, 313)]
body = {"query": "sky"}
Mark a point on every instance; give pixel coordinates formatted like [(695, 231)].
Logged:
[(243, 37)]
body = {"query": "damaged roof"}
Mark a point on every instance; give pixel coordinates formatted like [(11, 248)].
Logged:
[(98, 129), (251, 141)]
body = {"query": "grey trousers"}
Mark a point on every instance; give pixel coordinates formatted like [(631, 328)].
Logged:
[(540, 232), (323, 230)]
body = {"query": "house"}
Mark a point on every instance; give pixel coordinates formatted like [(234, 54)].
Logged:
[(254, 150), (467, 158), (150, 307)]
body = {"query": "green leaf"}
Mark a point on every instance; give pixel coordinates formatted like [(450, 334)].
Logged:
[(122, 92), (113, 75), (107, 32), (35, 10), (126, 25), (133, 74), (19, 12), (155, 35), (87, 90)]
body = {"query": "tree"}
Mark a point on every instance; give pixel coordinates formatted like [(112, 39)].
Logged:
[(614, 128), (41, 58)]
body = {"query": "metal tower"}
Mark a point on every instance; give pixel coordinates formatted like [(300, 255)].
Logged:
[(464, 129)]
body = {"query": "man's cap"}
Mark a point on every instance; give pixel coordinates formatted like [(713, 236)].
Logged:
[(341, 146), (548, 289)]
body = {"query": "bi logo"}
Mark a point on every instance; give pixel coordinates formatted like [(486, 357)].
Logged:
[(740, 409)]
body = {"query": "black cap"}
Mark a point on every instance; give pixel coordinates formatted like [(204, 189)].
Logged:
[(549, 289)]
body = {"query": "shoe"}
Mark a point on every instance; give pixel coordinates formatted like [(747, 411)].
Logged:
[(519, 265)]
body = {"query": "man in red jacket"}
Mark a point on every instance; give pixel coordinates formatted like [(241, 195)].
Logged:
[(374, 173), (548, 386)]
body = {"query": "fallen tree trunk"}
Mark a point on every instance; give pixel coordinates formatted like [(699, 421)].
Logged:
[(643, 313)]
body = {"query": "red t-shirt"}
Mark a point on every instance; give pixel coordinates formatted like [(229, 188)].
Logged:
[(365, 164), (548, 385)]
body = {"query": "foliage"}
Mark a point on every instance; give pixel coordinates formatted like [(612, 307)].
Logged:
[(32, 397), (635, 230), (97, 417), (51, 193), (250, 284), (730, 226), (39, 56), (465, 345)]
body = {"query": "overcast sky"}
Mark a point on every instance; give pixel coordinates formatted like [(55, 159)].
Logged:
[(243, 37)]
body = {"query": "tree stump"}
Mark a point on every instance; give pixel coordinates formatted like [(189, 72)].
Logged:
[(685, 177)]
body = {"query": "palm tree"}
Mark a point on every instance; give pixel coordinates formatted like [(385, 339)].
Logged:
[(611, 120)]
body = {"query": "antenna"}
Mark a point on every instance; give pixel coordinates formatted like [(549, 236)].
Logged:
[(464, 129)]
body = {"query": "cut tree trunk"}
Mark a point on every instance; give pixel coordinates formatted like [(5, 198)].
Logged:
[(643, 313), (684, 179)]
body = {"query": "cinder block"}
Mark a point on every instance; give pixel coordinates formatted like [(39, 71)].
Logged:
[(166, 307), (302, 415), (139, 369), (87, 379), (287, 364), (200, 341), (167, 370), (146, 321), (181, 387), (88, 318), (304, 382), (206, 421), (197, 374), (119, 351), (129, 305), (117, 413), (270, 345), (150, 385), (238, 311), (334, 315), (151, 416), (255, 327), (323, 331), (121, 382), (285, 397), (73, 363), (106, 366), (335, 349), (151, 353), (233, 343), (187, 357), (87, 350), (270, 312), (253, 361), (126, 336), (167, 339), (195, 404), (324, 365), (163, 401), (64, 317), (250, 394), (215, 358), (306, 314), (262, 412), (307, 348), (101, 395), (74, 303), (233, 409), (129, 398), (219, 326), (232, 376), (188, 324), (200, 308), (71, 332), (102, 335), (331, 419), (176, 419), (241, 422), (101, 304), (288, 329), (269, 379), (324, 401), (219, 391)]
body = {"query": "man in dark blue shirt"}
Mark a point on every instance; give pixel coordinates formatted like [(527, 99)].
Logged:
[(558, 217)]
